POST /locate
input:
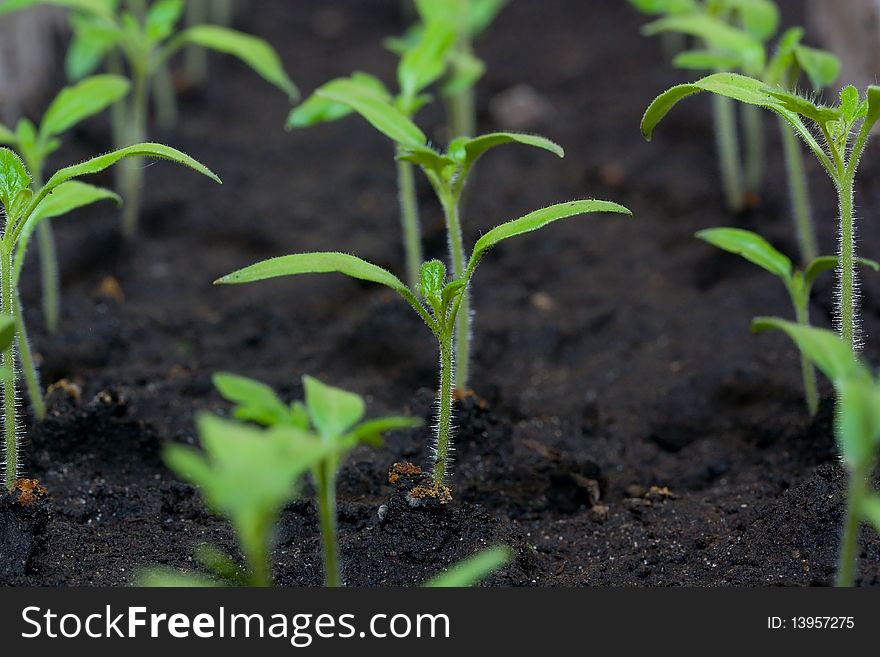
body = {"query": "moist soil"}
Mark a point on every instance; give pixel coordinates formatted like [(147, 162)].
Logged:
[(626, 428)]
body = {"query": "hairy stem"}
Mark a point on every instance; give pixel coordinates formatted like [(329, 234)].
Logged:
[(847, 299), (463, 320), (326, 484), (10, 427), (444, 415), (728, 151), (849, 545), (409, 218), (28, 367), (753, 127), (800, 196), (808, 371), (132, 171)]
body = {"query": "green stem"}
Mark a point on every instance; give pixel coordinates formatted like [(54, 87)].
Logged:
[(196, 57), (444, 415), (132, 180), (29, 368), (166, 98), (10, 428), (49, 274), (847, 309), (753, 127), (802, 311), (462, 107), (463, 320), (326, 484), (849, 545), (409, 217), (224, 12), (728, 151), (800, 196)]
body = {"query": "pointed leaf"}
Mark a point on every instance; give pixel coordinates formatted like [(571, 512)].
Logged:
[(803, 106), (371, 431), (465, 70), (750, 246), (92, 39), (316, 109), (424, 63), (539, 219), (14, 178), (253, 51), (472, 570), (255, 401), (821, 67), (162, 16), (873, 105), (760, 18), (826, 263), (7, 331), (314, 263), (333, 411), (80, 101), (467, 151), (482, 13)]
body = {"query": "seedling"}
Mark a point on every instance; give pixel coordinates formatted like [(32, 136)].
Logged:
[(35, 143), (23, 209), (331, 414), (856, 428), (437, 301), (447, 172), (799, 283), (469, 19), (143, 38), (473, 569), (839, 154)]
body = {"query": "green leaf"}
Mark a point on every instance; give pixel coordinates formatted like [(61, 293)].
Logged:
[(826, 263), (80, 101), (482, 13), (7, 331), (803, 106), (750, 246), (14, 178), (857, 423), (427, 158), (220, 564), (821, 67), (370, 432), (168, 578), (314, 263), (760, 18), (253, 51), (660, 7), (873, 105), (333, 411), (465, 70), (706, 60), (472, 570), (824, 348), (255, 401), (466, 150), (871, 510), (423, 64), (715, 33), (98, 7), (316, 109), (381, 114), (162, 16), (92, 39), (7, 136), (539, 219)]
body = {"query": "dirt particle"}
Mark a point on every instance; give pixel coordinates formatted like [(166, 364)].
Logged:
[(69, 388), (109, 288), (29, 491), (405, 469)]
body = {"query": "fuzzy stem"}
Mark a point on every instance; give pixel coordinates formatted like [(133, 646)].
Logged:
[(463, 320), (849, 544), (326, 483), (847, 301), (132, 172), (753, 128), (28, 367), (802, 311), (728, 151), (10, 428), (800, 197), (444, 415), (409, 218)]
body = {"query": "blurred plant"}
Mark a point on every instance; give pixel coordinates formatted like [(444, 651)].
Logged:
[(35, 143), (844, 131), (472, 570), (437, 301), (23, 209), (856, 428), (216, 12), (798, 283), (142, 37)]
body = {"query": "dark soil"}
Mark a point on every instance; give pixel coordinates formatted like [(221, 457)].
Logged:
[(628, 429)]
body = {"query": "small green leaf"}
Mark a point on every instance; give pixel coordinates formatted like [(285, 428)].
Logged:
[(659, 7), (253, 51), (472, 570), (873, 105), (821, 67), (706, 60), (826, 263), (255, 401), (432, 278), (539, 219), (370, 432), (427, 158), (162, 16), (316, 109), (80, 101), (803, 106), (14, 178), (824, 348), (465, 70), (7, 331), (314, 263), (7, 136), (760, 18), (468, 150), (92, 39), (482, 13), (424, 63), (750, 246), (333, 411)]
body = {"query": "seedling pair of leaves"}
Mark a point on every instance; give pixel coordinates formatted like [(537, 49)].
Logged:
[(798, 283), (447, 172), (438, 301), (856, 428), (34, 143), (844, 131), (142, 38), (23, 208)]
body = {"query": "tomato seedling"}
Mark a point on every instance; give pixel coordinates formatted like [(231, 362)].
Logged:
[(844, 131), (140, 38), (34, 144), (798, 283), (437, 301), (856, 428), (23, 209)]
